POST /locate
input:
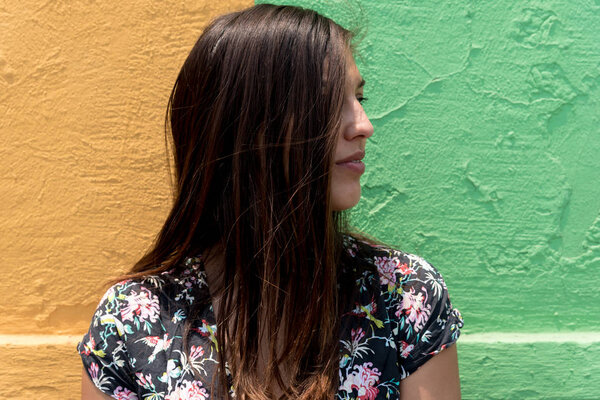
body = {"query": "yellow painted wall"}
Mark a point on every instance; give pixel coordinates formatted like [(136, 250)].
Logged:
[(83, 182)]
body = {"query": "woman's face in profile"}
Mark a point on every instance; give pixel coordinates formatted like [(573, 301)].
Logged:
[(350, 149)]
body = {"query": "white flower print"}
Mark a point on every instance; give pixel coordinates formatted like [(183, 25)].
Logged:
[(98, 377), (415, 309), (121, 393), (143, 305), (436, 286), (356, 346), (188, 391), (386, 267), (364, 379), (421, 263)]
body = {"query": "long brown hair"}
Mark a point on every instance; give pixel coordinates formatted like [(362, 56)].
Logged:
[(254, 116)]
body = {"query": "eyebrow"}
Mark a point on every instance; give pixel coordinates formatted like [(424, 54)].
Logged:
[(361, 84)]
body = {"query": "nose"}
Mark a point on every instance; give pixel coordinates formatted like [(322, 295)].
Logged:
[(361, 126), (357, 124)]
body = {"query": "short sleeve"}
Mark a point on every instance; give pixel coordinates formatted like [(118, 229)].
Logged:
[(426, 321), (103, 348)]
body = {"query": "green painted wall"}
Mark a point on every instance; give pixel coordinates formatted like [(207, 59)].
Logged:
[(486, 161)]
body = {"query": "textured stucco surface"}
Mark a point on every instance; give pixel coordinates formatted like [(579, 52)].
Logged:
[(40, 371), (485, 161), (84, 184), (534, 371)]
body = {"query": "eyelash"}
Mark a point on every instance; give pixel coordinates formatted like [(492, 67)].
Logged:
[(361, 99)]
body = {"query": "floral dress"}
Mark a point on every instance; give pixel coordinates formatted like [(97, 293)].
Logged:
[(134, 347)]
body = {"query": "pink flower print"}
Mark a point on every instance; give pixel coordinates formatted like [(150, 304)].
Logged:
[(121, 393), (188, 391), (93, 370), (357, 335), (144, 306), (357, 347), (417, 313), (364, 379), (99, 380), (405, 269), (196, 352), (386, 267), (145, 381), (405, 349)]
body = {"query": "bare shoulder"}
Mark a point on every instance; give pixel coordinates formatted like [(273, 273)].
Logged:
[(436, 379), (89, 391)]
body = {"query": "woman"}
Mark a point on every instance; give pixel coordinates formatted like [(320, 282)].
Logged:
[(254, 288)]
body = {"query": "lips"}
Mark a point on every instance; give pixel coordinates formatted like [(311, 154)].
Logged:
[(355, 157), (353, 163)]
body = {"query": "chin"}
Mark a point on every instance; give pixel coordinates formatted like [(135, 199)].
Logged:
[(345, 201)]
